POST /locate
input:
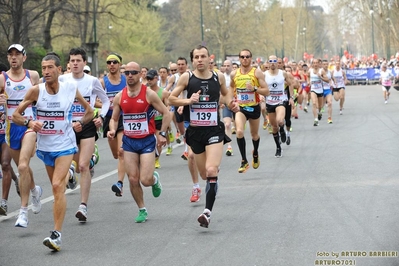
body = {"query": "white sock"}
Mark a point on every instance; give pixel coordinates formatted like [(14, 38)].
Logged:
[(34, 191), (196, 185)]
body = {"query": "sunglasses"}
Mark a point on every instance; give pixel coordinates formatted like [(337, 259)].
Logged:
[(148, 78), (133, 72), (112, 62), (245, 56), (173, 70), (273, 61), (211, 63)]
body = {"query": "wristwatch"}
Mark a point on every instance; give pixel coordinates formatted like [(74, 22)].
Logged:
[(255, 89), (26, 122), (163, 134)]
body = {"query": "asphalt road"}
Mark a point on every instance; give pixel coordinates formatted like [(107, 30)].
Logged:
[(332, 198)]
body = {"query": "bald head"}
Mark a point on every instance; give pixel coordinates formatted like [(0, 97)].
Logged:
[(132, 66), (227, 66)]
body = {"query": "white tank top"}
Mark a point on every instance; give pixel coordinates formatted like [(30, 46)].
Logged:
[(326, 85), (55, 111), (339, 79), (316, 84), (277, 88), (386, 78), (90, 87), (15, 91)]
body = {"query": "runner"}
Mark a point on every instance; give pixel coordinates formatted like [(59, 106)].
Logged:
[(247, 83), (386, 81), (339, 78), (205, 135)]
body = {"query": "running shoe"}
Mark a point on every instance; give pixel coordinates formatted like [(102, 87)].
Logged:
[(322, 110), (265, 125), (233, 130), (184, 156), (305, 109), (22, 220), (329, 121), (278, 153), (157, 187), (384, 102), (229, 151), (142, 217), (54, 241), (171, 137), (244, 167), (178, 139), (118, 189), (288, 142), (340, 111), (73, 180), (255, 161), (205, 218), (96, 155), (283, 136), (319, 116), (36, 204), (3, 209), (157, 164), (270, 128), (316, 123), (81, 214), (195, 195), (169, 151)]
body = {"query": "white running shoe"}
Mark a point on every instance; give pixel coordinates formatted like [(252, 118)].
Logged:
[(54, 241), (81, 214), (36, 204), (22, 220)]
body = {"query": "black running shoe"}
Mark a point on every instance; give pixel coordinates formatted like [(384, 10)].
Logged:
[(278, 153), (288, 142), (319, 116)]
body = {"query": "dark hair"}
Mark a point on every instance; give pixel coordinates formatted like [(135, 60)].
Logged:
[(182, 58), (53, 57), (235, 64), (247, 50), (78, 51), (164, 68), (53, 53), (199, 47)]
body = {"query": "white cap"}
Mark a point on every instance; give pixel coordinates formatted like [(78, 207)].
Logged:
[(87, 68), (18, 47)]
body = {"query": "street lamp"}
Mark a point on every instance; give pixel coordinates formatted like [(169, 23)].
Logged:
[(372, 28), (389, 38), (282, 31), (202, 24), (304, 32)]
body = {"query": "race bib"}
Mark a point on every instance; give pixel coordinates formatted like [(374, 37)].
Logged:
[(53, 122), (245, 96), (135, 124), (12, 105), (204, 114), (111, 96), (77, 109)]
